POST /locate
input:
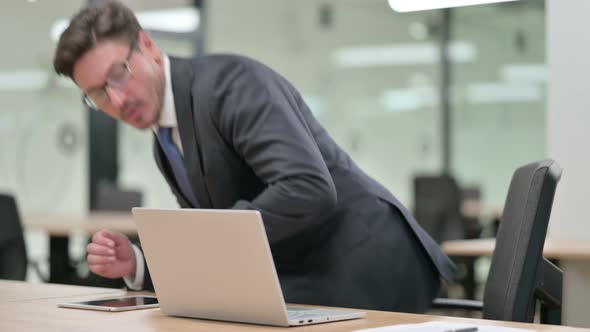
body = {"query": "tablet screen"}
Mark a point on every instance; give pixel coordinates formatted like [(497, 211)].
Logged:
[(115, 304), (122, 302)]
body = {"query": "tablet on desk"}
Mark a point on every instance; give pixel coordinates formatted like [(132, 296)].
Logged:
[(115, 304)]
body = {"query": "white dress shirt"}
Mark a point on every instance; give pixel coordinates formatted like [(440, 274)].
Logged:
[(167, 119)]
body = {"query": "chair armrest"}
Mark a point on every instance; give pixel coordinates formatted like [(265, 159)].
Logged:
[(442, 303)]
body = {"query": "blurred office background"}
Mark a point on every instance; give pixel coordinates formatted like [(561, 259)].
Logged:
[(376, 79)]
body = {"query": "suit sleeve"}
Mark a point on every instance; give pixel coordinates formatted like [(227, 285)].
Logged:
[(147, 279), (260, 117)]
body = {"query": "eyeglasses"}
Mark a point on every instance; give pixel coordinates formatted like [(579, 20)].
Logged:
[(117, 77)]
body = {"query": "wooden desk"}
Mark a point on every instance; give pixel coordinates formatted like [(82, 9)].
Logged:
[(43, 315), (85, 224), (475, 209), (14, 291), (554, 249), (574, 257)]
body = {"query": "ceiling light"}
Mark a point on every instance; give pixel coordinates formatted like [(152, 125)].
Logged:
[(524, 72), (176, 20), (496, 92), (415, 5), (402, 54)]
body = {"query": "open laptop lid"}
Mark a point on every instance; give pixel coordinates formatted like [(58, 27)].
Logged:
[(211, 264)]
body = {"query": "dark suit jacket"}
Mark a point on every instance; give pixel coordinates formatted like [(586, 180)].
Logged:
[(337, 236)]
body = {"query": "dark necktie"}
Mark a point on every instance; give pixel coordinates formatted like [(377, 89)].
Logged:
[(175, 161)]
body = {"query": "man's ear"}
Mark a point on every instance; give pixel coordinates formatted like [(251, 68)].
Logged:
[(144, 41), (149, 47)]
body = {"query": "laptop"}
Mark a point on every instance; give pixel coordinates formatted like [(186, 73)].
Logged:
[(217, 264)]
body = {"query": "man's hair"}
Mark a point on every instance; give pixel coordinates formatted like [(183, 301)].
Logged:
[(90, 26)]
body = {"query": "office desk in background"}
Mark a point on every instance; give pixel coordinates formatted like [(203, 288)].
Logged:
[(554, 249), (44, 315), (59, 228), (574, 260), (84, 224), (15, 291)]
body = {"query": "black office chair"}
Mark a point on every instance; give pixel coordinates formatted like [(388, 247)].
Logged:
[(437, 206), (519, 274), (13, 253), (109, 197)]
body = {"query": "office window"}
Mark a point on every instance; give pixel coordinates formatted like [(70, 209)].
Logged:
[(42, 121), (370, 75), (498, 104)]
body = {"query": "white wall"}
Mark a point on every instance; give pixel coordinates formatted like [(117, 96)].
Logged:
[(568, 114), (568, 140)]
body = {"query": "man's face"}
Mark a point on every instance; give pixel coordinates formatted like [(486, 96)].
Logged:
[(124, 81)]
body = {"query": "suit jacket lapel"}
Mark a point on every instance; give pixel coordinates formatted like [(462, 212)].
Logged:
[(181, 72)]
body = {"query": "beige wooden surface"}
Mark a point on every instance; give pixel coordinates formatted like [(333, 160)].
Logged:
[(475, 209), (44, 315), (11, 291), (556, 249), (85, 224)]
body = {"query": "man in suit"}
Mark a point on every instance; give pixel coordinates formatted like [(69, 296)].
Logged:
[(231, 133)]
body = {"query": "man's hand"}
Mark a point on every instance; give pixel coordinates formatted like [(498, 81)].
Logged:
[(111, 255)]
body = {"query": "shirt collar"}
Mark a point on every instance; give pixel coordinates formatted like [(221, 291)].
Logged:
[(168, 112)]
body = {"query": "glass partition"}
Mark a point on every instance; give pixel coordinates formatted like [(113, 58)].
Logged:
[(370, 75), (498, 104)]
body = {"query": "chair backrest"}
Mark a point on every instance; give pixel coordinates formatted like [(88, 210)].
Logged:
[(437, 206), (515, 277), (471, 193), (112, 198), (13, 253)]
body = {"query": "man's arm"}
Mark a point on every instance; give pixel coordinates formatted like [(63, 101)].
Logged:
[(141, 279), (259, 116)]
